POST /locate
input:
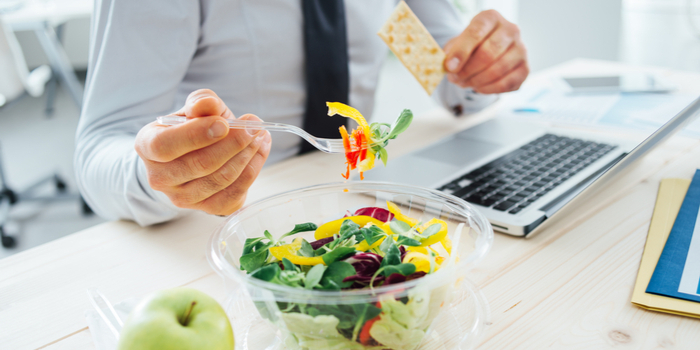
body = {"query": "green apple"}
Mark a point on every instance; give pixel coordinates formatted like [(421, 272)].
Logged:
[(177, 319)]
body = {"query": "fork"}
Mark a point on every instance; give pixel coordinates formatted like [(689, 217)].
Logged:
[(325, 145)]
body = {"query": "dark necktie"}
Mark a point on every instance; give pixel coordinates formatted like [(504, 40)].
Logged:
[(327, 77)]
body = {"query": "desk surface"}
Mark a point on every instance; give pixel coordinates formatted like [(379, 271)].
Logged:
[(567, 287)]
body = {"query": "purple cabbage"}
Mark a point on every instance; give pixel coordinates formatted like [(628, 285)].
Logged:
[(380, 214), (402, 250), (366, 265), (395, 278), (417, 274), (321, 242)]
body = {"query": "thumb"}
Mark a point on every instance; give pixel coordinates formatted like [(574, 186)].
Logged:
[(205, 103)]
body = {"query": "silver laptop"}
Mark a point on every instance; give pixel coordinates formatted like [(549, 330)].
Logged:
[(520, 175)]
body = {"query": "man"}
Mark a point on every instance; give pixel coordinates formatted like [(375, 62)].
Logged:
[(240, 57)]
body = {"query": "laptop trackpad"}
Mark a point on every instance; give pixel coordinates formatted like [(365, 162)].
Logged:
[(458, 151)]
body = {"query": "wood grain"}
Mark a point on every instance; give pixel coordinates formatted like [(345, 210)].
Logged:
[(568, 287)]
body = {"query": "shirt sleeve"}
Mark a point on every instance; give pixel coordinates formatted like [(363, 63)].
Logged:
[(139, 53), (442, 21)]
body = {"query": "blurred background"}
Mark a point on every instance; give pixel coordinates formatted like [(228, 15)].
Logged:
[(44, 54)]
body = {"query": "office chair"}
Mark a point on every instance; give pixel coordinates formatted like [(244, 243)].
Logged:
[(18, 81)]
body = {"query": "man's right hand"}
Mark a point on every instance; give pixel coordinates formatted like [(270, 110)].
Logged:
[(202, 164)]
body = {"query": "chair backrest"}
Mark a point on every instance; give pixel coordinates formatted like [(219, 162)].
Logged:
[(13, 68)]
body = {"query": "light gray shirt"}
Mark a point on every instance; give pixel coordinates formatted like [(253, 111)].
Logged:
[(147, 56)]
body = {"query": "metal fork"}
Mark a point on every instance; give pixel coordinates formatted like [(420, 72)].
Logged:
[(325, 145)]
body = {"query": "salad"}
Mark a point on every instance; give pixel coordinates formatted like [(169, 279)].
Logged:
[(366, 143), (368, 248)]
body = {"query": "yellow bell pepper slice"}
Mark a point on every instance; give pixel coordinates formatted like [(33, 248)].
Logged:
[(447, 244), (363, 246), (349, 112), (289, 251), (333, 227), (422, 261), (368, 162), (394, 209), (439, 236), (422, 250)]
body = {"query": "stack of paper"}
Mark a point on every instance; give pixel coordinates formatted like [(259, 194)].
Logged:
[(669, 273)]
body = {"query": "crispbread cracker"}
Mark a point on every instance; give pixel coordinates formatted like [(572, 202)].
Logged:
[(406, 36)]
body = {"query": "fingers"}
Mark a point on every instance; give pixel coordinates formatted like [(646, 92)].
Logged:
[(204, 103), (510, 82), (458, 50), (233, 197), (492, 57), (201, 162), (492, 50), (194, 194), (165, 143), (514, 57)]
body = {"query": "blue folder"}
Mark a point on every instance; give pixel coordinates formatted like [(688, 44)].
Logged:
[(667, 275)]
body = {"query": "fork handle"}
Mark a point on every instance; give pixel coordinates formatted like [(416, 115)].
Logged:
[(232, 123)]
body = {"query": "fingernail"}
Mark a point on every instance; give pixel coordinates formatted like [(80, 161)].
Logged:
[(217, 130), (264, 140), (453, 64)]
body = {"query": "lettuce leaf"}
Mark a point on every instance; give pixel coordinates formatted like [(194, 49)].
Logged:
[(400, 325), (318, 333)]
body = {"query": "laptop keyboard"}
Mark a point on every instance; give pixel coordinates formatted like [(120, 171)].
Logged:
[(514, 181)]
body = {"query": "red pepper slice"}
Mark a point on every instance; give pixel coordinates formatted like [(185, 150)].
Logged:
[(365, 337)]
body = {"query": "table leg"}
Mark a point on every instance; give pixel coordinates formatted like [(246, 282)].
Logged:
[(52, 84), (59, 62)]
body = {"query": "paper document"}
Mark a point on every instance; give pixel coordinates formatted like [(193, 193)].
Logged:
[(627, 111), (677, 273), (668, 202)]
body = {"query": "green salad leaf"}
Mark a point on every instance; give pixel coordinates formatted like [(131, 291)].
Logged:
[(313, 277), (255, 254), (305, 227), (318, 333), (306, 249), (403, 269), (288, 265), (372, 234), (335, 274), (399, 227), (403, 240), (337, 254), (381, 133), (398, 326), (392, 254), (401, 123)]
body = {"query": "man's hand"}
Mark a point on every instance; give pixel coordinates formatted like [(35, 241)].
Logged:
[(488, 56), (201, 164)]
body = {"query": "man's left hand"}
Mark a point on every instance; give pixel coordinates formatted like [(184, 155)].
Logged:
[(488, 55)]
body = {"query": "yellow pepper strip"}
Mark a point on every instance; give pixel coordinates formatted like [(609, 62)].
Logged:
[(422, 261), (349, 112), (289, 251), (436, 237), (363, 246), (333, 227), (447, 244), (368, 162), (422, 250), (394, 209)]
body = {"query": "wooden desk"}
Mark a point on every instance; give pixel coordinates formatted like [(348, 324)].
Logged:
[(566, 288)]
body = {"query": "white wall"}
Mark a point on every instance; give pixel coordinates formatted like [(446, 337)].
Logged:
[(555, 31)]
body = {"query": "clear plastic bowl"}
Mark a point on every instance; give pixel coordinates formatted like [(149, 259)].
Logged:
[(455, 312)]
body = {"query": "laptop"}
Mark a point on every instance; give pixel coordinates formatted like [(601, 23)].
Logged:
[(522, 175)]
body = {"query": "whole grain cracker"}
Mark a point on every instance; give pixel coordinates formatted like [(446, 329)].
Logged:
[(411, 42)]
